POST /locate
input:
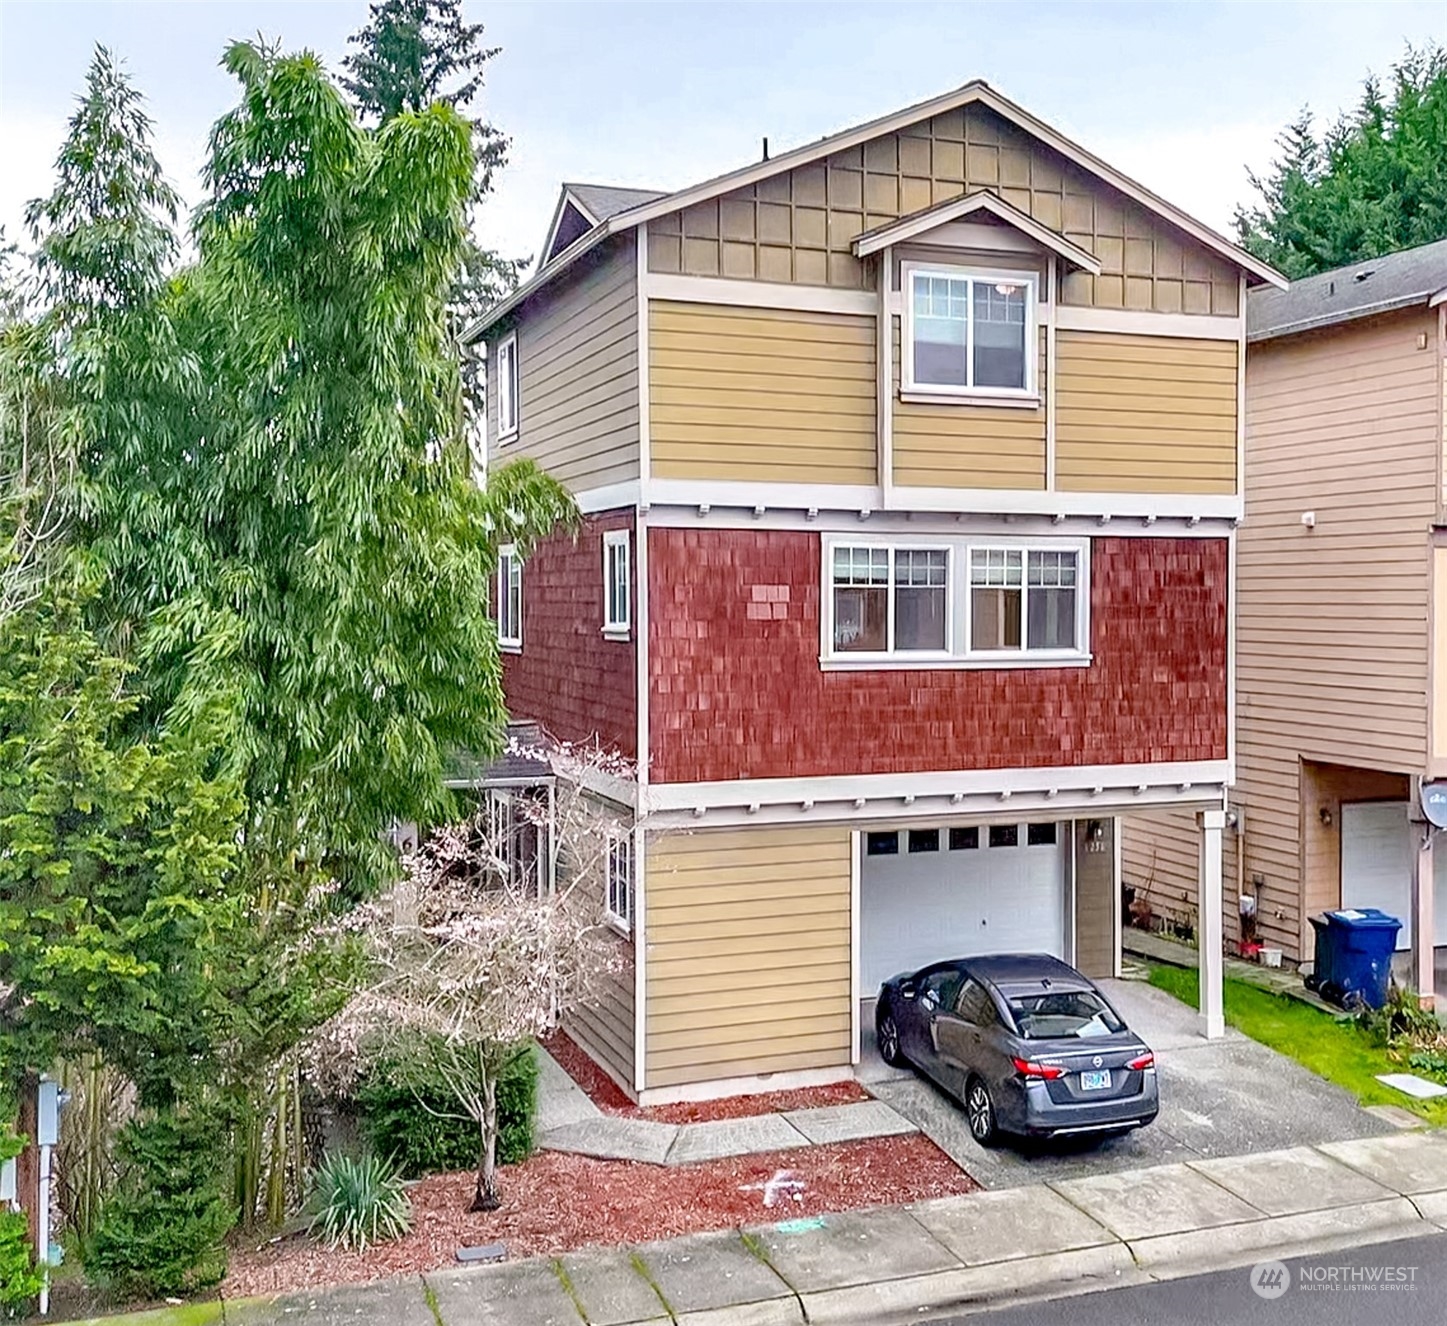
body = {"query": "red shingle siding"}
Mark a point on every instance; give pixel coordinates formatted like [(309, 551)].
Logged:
[(737, 691), (578, 684)]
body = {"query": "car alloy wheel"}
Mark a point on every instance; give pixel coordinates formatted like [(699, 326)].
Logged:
[(887, 1036), (980, 1111)]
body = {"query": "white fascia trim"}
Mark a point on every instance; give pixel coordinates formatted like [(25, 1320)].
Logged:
[(640, 279), (1186, 506), (611, 497), (723, 1087), (756, 496), (758, 294), (1202, 779), (1127, 322), (640, 959), (921, 223)]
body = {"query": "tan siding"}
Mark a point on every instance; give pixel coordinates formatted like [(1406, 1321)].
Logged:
[(958, 444), (799, 226), (762, 394), (605, 1028), (1094, 900), (1145, 414), (1439, 661), (748, 970), (1332, 622), (578, 374)]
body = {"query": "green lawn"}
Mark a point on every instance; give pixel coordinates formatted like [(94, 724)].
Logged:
[(1338, 1051)]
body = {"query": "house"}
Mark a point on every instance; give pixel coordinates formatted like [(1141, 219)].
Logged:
[(1342, 616), (910, 465)]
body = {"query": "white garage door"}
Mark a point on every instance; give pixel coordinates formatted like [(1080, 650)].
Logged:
[(1378, 846), (930, 894)]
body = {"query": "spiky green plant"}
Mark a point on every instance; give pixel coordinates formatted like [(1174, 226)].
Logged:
[(359, 1201)]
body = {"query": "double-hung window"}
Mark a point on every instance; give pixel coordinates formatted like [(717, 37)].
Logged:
[(620, 879), (509, 598), (889, 600), (617, 583), (507, 388), (955, 600), (1025, 600), (969, 333)]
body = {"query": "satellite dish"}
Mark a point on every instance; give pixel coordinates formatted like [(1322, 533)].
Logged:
[(1434, 804)]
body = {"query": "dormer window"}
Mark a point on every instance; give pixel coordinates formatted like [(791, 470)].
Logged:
[(969, 333)]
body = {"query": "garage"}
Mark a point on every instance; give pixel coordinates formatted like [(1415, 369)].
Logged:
[(955, 890), (1378, 850)]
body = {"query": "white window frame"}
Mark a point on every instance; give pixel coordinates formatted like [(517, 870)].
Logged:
[(889, 652), (509, 382), (1081, 549), (614, 540), (507, 560), (1029, 394), (958, 607), (620, 841)]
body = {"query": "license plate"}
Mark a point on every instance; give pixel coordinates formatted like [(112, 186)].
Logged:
[(1095, 1081)]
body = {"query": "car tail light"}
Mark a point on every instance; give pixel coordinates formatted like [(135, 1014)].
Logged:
[(1029, 1068), (1146, 1060)]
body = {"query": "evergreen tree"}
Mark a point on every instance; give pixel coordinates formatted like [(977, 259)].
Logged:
[(1372, 183)]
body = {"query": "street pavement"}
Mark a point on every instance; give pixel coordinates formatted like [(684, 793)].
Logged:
[(1401, 1284)]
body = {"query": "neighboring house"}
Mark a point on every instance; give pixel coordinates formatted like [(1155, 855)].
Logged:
[(910, 468), (1341, 610)]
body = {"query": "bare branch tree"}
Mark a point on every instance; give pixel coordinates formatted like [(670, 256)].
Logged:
[(485, 943)]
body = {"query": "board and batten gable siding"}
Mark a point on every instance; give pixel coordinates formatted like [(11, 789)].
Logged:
[(748, 953), (1145, 414), (1332, 621), (761, 394), (577, 373), (799, 226)]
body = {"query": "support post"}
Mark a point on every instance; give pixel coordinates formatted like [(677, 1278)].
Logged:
[(1424, 930), (1210, 936)]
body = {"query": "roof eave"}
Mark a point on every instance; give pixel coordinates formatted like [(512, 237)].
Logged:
[(1421, 299), (591, 239)]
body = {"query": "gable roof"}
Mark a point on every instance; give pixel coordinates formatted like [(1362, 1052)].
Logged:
[(975, 92), (1359, 290), (956, 209), (594, 203)]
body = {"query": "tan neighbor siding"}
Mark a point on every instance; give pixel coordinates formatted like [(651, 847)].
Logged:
[(1095, 906), (1332, 629), (748, 970), (605, 1028), (799, 226), (761, 394), (578, 373), (1145, 414), (960, 444)]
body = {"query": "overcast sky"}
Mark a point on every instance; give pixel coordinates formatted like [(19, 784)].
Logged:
[(1183, 97)]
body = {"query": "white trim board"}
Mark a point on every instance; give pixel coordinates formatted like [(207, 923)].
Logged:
[(1127, 322), (757, 294), (723, 1087), (1001, 784)]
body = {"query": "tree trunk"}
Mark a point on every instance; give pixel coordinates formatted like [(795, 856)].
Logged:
[(487, 1197)]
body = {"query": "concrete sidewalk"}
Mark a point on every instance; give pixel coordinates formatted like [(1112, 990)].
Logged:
[(569, 1121), (896, 1264)]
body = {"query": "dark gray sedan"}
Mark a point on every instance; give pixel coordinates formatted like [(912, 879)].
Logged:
[(1028, 1045)]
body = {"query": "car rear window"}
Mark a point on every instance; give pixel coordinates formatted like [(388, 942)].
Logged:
[(1063, 1013)]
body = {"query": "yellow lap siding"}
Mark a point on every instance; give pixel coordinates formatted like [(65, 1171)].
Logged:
[(1145, 414), (748, 944), (765, 394)]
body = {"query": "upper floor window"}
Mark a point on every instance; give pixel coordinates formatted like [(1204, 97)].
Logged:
[(509, 598), (507, 388), (617, 586), (969, 333), (956, 601)]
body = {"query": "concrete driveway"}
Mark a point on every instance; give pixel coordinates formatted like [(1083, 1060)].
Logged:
[(1218, 1098)]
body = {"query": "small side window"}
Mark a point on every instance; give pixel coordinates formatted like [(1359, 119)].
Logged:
[(507, 388), (509, 598), (617, 583)]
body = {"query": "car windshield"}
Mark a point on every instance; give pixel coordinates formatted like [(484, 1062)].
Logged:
[(1063, 1013)]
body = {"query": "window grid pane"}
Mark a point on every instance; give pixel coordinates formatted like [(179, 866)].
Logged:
[(861, 566), (996, 567)]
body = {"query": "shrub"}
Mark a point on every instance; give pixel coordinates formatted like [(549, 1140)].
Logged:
[(161, 1230), (20, 1281), (403, 1118), (359, 1202)]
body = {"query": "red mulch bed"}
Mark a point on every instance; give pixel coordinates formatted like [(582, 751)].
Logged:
[(609, 1097), (556, 1202)]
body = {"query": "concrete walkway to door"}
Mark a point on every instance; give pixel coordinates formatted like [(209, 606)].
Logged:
[(1224, 1097)]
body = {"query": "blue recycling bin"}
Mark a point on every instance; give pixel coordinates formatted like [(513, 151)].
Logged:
[(1353, 963)]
